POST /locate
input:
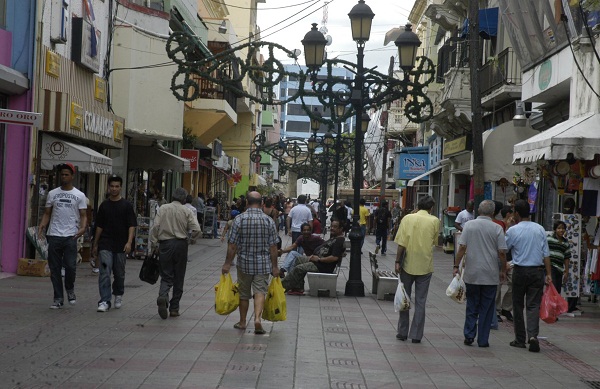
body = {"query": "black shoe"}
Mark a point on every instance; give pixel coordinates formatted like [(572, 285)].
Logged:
[(484, 345), (400, 337), (469, 341), (534, 345), (516, 344), (507, 315), (500, 319), (163, 303), (416, 340)]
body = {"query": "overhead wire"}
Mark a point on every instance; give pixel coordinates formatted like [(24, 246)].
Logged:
[(263, 9)]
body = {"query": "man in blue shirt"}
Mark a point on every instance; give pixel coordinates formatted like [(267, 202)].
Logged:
[(531, 258)]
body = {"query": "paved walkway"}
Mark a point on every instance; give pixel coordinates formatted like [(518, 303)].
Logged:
[(342, 342)]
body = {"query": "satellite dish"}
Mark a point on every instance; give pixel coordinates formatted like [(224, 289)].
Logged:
[(329, 40), (295, 54)]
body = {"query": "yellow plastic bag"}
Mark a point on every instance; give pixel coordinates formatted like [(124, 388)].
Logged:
[(227, 298), (275, 306)]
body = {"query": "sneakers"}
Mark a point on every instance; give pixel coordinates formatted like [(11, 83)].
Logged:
[(534, 345), (95, 270), (56, 305), (162, 302), (71, 297), (377, 249), (507, 314), (103, 307), (118, 302)]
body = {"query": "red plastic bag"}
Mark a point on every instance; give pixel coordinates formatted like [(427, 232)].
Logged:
[(553, 305)]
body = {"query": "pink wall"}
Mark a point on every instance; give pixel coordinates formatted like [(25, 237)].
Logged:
[(15, 194), (5, 47)]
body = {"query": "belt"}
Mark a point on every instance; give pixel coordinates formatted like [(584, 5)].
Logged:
[(530, 267)]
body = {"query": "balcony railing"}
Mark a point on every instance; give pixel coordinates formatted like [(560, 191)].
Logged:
[(211, 90), (504, 70), (450, 56)]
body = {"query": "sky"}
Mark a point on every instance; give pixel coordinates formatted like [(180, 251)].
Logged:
[(302, 13)]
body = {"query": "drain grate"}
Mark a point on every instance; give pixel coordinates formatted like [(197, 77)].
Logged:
[(592, 384), (348, 385)]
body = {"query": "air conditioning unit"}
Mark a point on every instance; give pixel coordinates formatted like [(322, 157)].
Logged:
[(59, 25), (222, 162), (235, 164), (217, 150)]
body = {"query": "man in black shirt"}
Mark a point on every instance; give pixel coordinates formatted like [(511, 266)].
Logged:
[(324, 260), (383, 218), (115, 228)]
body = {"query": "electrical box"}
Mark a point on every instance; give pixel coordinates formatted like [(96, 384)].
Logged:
[(59, 25)]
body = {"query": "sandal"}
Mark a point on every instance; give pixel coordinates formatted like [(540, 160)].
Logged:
[(258, 330), (238, 326)]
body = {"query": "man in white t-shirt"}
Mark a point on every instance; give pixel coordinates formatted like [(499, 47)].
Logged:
[(299, 215), (464, 216), (66, 219)]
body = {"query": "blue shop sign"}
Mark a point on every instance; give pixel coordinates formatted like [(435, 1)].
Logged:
[(411, 165)]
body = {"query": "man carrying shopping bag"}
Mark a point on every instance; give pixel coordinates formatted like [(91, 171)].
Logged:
[(254, 239), (483, 242)]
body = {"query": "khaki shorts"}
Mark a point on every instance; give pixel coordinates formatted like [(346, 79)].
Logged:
[(259, 283)]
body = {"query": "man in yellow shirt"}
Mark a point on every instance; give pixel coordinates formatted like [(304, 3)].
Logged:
[(417, 235), (363, 216)]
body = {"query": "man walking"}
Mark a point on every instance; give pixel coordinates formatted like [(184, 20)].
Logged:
[(483, 242), (115, 228), (383, 219), (363, 213), (299, 215), (464, 216), (530, 257), (170, 231), (254, 239), (66, 219), (417, 235)]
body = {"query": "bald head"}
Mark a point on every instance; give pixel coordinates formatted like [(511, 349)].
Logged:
[(254, 199)]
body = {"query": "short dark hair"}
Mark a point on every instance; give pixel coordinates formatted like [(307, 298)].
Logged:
[(305, 225), (189, 198), (115, 179), (362, 202), (506, 210), (557, 224), (497, 207), (302, 199), (522, 208), (426, 203), (268, 202)]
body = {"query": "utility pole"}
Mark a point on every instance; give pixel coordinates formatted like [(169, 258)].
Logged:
[(386, 120), (476, 111)]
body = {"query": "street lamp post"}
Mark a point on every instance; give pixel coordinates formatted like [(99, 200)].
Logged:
[(340, 111)]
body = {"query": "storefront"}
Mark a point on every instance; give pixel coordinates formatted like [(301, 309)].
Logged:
[(76, 128)]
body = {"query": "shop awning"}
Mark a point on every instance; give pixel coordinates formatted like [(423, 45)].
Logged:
[(577, 136), (151, 158), (497, 160), (56, 151), (417, 178), (488, 23)]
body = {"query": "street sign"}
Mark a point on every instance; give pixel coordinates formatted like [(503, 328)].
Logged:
[(9, 116)]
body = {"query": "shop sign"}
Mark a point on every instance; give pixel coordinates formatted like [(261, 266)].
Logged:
[(192, 156), (412, 165), (85, 46), (76, 116), (99, 89), (118, 131), (545, 74), (9, 116), (97, 124), (455, 146), (52, 64)]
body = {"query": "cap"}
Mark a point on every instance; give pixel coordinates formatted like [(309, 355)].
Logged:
[(67, 165), (235, 212)]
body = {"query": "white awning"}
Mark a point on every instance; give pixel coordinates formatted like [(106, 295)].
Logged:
[(151, 158), (578, 136), (497, 160), (417, 178), (56, 151)]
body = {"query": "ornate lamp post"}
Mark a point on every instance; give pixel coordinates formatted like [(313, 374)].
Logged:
[(361, 17)]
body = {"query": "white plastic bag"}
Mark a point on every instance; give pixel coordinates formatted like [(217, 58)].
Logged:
[(457, 289), (401, 300)]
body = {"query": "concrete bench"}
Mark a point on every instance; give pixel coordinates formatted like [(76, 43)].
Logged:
[(324, 284), (385, 282)]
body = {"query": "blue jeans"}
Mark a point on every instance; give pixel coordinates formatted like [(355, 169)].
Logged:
[(363, 233), (480, 312), (111, 263), (381, 238), (62, 252), (290, 260)]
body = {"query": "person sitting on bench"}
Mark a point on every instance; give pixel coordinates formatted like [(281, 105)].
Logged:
[(324, 260), (307, 241)]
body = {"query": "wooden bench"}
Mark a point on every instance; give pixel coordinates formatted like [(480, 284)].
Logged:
[(385, 282)]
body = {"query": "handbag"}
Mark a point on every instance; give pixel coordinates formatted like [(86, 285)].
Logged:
[(150, 269), (227, 298), (401, 300), (457, 288), (275, 304)]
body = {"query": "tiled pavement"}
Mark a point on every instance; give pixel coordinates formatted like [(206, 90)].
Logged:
[(341, 342)]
